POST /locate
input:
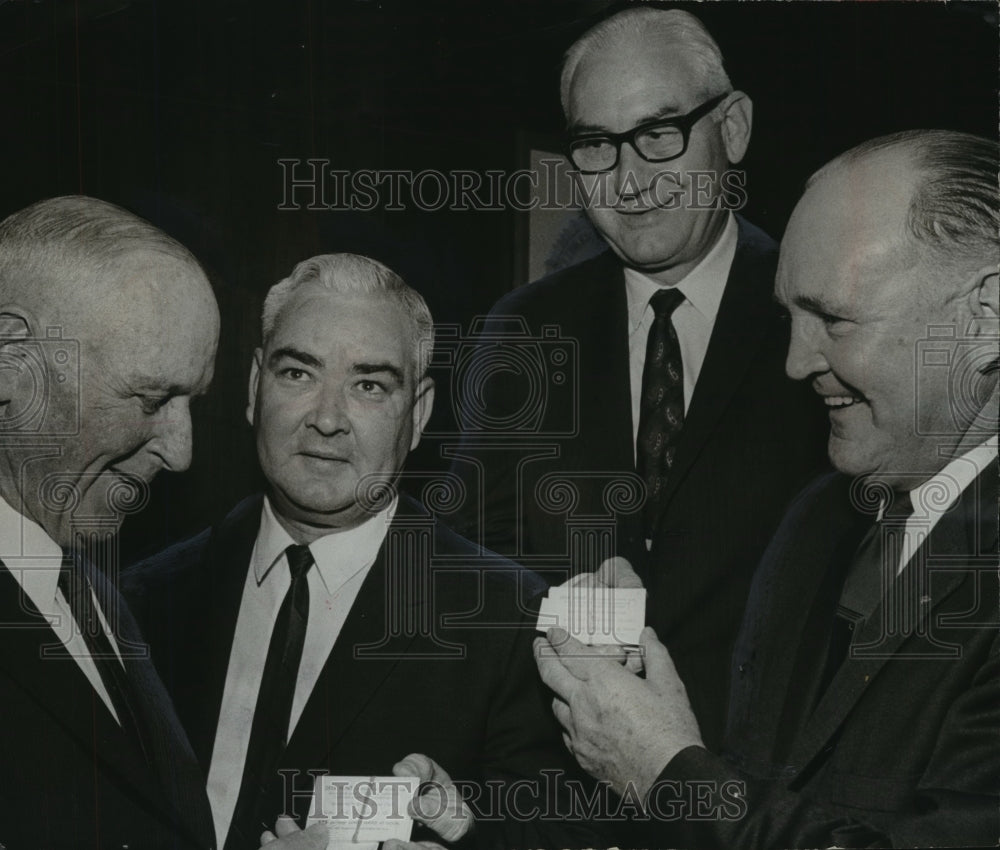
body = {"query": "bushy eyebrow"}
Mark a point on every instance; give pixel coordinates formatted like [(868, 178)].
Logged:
[(290, 353), (375, 368), (816, 306)]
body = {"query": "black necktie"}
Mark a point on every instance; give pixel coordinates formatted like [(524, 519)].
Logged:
[(269, 731), (661, 410), (78, 591), (874, 565)]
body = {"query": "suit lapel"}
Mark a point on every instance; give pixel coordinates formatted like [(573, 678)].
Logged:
[(903, 617), (61, 689), (382, 623), (605, 388), (57, 683), (744, 321), (599, 323), (789, 597)]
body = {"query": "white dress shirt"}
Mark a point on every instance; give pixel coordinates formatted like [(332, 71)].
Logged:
[(938, 494), (342, 560), (693, 319), (34, 559)]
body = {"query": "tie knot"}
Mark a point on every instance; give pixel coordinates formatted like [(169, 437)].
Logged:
[(666, 301), (300, 559), (900, 506)]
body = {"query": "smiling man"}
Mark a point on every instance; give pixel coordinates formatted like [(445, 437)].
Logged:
[(108, 329), (866, 678), (333, 627), (679, 346)]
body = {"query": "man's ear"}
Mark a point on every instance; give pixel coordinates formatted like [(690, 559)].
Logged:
[(254, 385), (423, 404), (15, 326), (737, 122), (983, 299)]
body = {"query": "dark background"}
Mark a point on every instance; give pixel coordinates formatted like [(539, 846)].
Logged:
[(180, 111)]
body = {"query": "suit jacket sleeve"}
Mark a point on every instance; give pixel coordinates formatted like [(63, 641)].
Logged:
[(527, 759), (957, 800)]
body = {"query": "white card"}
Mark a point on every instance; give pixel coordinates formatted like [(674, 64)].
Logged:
[(365, 810), (595, 615)]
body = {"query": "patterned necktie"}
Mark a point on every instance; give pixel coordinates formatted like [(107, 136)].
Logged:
[(661, 410), (871, 570), (269, 731)]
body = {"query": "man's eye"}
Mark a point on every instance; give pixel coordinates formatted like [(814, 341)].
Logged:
[(151, 404), (835, 324), (293, 373), (371, 387)]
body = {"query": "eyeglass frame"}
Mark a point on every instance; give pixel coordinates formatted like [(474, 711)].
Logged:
[(685, 123)]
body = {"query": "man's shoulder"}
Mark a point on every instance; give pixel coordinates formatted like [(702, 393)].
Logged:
[(460, 557), (555, 293), (828, 497), (177, 559)]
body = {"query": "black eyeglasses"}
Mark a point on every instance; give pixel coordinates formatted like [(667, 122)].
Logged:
[(655, 141)]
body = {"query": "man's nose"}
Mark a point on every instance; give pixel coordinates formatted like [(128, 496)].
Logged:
[(174, 441), (805, 355), (625, 175), (328, 414)]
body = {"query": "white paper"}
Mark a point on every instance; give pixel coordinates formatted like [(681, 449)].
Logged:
[(363, 810), (595, 615)]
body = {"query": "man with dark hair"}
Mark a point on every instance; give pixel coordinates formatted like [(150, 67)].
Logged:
[(682, 396), (866, 679), (402, 648), (108, 329)]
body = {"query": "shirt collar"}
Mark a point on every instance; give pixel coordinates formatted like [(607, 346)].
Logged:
[(703, 286), (25, 545), (339, 555), (952, 480)]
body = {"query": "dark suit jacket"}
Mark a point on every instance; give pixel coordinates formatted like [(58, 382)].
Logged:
[(435, 657), (901, 749), (751, 440), (70, 778)]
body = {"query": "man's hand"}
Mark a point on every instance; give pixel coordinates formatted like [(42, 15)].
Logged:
[(613, 572), (438, 805), (288, 836), (618, 727)]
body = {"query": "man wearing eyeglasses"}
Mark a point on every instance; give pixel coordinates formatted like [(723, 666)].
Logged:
[(680, 349)]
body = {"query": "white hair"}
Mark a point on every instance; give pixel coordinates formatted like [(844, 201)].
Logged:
[(671, 25), (354, 274), (73, 241)]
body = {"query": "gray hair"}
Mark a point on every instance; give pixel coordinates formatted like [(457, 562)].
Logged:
[(955, 209), (65, 239), (673, 25), (354, 274)]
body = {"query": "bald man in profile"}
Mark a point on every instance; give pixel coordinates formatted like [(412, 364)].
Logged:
[(108, 329), (866, 678)]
